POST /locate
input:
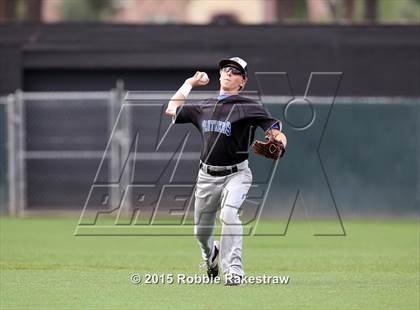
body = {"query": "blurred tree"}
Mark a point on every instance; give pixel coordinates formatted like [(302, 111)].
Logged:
[(402, 11), (348, 10), (284, 9), (291, 10), (20, 10), (333, 5), (87, 10), (371, 9), (33, 10), (299, 10), (7, 10)]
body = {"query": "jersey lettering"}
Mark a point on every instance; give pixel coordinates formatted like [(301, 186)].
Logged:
[(217, 126)]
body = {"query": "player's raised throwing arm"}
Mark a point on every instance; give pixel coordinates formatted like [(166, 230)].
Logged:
[(178, 99)]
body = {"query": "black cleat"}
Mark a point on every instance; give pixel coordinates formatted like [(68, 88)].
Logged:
[(213, 269), (233, 279)]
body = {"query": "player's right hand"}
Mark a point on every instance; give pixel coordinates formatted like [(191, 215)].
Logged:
[(196, 80)]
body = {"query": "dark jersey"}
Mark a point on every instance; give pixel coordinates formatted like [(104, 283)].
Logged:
[(227, 127)]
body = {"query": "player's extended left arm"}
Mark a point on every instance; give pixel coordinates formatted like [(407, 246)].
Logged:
[(275, 145)]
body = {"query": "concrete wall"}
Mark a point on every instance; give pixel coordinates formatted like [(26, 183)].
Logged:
[(375, 60)]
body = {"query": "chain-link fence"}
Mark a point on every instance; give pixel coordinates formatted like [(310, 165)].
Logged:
[(55, 143), (60, 144)]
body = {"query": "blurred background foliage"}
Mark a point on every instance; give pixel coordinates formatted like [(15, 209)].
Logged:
[(212, 11), (87, 10)]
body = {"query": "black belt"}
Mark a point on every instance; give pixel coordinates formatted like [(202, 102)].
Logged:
[(219, 173)]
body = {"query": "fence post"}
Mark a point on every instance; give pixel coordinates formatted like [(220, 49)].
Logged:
[(124, 139), (11, 154), (115, 136), (417, 156), (21, 153)]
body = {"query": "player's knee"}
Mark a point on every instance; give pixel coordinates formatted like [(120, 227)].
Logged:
[(229, 215)]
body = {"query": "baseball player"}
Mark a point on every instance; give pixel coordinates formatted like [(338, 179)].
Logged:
[(227, 125)]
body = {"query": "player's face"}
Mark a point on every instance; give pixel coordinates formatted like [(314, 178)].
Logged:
[(231, 79)]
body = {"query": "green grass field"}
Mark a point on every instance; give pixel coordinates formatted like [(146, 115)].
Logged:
[(43, 266)]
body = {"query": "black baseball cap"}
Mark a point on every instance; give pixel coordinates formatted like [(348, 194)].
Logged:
[(237, 62)]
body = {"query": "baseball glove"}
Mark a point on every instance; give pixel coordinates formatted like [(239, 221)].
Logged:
[(271, 148)]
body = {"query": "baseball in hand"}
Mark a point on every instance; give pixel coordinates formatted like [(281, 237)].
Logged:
[(204, 77)]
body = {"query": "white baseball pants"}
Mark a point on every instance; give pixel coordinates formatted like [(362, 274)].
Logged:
[(225, 193)]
